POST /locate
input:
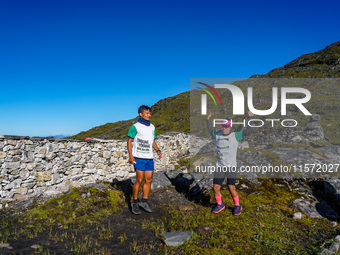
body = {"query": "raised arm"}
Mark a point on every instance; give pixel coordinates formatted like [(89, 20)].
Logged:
[(210, 129)]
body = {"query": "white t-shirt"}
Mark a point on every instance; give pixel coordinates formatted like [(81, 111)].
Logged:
[(143, 136)]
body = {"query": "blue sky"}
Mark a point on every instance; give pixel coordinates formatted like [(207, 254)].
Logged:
[(67, 66)]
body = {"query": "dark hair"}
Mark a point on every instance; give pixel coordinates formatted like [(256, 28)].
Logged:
[(143, 108)]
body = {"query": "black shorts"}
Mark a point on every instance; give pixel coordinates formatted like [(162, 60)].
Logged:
[(219, 177)]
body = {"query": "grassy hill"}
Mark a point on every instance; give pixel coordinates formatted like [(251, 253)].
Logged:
[(172, 113), (323, 63), (168, 114)]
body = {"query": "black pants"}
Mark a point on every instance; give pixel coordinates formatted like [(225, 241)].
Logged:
[(220, 174)]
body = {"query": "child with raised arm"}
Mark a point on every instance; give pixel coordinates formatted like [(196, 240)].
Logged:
[(226, 163)]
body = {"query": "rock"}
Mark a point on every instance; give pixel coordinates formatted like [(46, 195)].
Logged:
[(334, 247), (203, 186), (11, 165), (208, 147), (332, 152), (98, 186), (160, 180), (35, 246), (176, 238), (14, 185), (6, 245), (121, 163), (332, 193), (90, 171), (328, 190), (44, 176), (171, 167), (334, 223), (107, 154), (243, 145), (297, 216), (205, 230), (314, 130), (203, 163), (297, 138), (183, 181), (186, 207), (316, 209), (325, 252)]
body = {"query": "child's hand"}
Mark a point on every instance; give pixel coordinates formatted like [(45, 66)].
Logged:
[(209, 116), (250, 114), (132, 160)]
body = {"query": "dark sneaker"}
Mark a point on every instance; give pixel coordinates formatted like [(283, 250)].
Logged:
[(237, 210), (218, 208), (135, 208), (145, 206)]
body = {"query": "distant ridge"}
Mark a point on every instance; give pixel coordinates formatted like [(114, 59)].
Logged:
[(173, 114), (321, 64), (168, 114)]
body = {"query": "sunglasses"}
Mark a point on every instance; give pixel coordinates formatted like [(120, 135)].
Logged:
[(225, 126)]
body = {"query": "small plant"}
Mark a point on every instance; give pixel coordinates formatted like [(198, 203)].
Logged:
[(122, 237)]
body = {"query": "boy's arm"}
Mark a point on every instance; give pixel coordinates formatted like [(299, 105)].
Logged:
[(129, 148), (245, 132), (131, 135), (159, 153), (210, 129)]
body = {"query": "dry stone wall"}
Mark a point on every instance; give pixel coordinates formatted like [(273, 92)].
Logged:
[(33, 167)]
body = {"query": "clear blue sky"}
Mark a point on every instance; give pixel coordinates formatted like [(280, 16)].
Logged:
[(67, 66)]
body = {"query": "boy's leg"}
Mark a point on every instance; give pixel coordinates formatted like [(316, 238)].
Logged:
[(136, 186), (147, 185), (232, 190), (234, 195), (231, 180), (218, 180), (148, 173), (217, 190)]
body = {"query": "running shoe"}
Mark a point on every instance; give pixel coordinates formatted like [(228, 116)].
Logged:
[(145, 206), (135, 208), (218, 208), (237, 210)]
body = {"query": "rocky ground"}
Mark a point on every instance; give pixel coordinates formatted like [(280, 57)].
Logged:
[(271, 221)]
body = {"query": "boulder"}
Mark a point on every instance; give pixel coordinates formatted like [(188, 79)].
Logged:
[(176, 238), (314, 130)]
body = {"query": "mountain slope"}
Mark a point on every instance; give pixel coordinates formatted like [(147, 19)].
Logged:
[(172, 113), (323, 63), (168, 114)]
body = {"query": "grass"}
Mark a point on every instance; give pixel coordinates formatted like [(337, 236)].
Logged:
[(265, 226), (81, 225)]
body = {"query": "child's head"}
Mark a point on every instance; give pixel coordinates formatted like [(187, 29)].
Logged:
[(144, 112), (226, 126)]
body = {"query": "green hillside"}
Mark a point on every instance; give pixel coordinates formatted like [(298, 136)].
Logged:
[(168, 114), (324, 63), (173, 113)]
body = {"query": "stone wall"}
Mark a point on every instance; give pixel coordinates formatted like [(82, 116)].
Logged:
[(32, 167)]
